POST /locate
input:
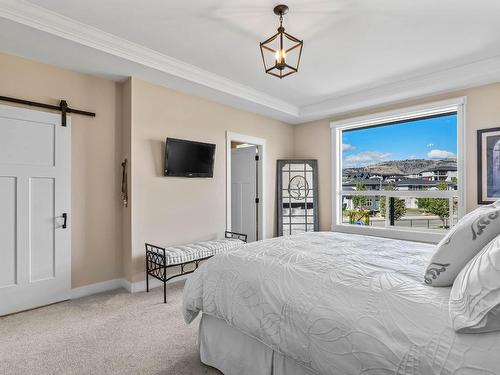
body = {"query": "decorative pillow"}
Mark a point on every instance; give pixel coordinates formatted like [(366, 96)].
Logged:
[(474, 231), (475, 296)]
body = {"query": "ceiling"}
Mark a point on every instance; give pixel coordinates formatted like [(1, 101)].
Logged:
[(357, 53)]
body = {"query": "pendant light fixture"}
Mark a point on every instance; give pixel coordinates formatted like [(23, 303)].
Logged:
[(281, 52)]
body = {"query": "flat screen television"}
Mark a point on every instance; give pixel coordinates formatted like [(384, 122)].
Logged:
[(188, 158)]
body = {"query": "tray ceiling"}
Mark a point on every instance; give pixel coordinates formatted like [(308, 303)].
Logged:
[(356, 54)]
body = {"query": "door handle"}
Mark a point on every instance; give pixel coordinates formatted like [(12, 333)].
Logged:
[(65, 218)]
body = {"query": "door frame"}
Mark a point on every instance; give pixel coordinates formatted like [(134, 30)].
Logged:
[(261, 144)]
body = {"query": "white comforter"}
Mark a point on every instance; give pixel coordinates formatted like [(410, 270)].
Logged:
[(341, 304)]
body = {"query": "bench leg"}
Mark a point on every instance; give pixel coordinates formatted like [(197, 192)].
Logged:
[(164, 292), (147, 276)]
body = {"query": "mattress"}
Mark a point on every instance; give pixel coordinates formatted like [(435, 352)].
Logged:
[(340, 304)]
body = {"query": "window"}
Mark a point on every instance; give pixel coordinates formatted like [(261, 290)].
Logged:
[(400, 174)]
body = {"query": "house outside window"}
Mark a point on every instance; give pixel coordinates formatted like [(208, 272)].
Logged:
[(412, 159)]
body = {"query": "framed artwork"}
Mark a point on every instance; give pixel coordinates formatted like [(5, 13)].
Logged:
[(488, 163)]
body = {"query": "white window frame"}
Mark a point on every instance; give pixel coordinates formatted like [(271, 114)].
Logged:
[(457, 105)]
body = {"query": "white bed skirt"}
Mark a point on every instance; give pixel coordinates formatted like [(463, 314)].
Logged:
[(234, 353)]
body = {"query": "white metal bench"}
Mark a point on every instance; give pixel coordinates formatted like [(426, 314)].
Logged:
[(158, 259)]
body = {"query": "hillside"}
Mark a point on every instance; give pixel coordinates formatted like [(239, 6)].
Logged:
[(403, 167)]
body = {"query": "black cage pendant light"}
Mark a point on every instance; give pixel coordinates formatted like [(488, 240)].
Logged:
[(281, 52)]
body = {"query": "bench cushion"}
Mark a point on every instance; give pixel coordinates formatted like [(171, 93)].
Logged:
[(199, 250)]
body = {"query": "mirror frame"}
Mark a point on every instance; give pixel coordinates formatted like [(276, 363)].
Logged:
[(313, 163)]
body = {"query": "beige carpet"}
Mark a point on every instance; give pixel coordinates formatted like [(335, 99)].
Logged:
[(108, 333)]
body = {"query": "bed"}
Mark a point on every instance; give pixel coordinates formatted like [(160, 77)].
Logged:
[(330, 303)]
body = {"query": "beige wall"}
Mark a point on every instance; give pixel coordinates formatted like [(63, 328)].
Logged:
[(179, 210), (312, 140), (95, 150), (126, 150), (133, 120)]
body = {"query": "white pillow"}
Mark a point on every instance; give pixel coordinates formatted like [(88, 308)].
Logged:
[(475, 295), (473, 232)]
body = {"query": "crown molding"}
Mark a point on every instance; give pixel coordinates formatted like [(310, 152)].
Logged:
[(64, 27), (458, 78), (473, 74)]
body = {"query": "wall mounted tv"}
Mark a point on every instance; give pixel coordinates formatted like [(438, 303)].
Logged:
[(188, 158)]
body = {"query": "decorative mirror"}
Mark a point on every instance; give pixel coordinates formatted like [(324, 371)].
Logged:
[(297, 196)]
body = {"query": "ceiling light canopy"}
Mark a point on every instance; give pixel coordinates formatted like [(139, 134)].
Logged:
[(281, 52)]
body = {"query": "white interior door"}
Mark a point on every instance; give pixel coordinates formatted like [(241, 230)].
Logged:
[(243, 191), (35, 249)]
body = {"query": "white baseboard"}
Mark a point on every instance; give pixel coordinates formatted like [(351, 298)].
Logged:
[(105, 286), (88, 290), (140, 286)]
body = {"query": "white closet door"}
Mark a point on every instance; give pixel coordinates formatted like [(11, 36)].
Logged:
[(243, 191), (35, 249)]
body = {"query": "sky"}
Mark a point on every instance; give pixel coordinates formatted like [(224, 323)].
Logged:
[(434, 138)]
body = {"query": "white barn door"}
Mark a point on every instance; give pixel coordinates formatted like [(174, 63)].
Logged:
[(35, 249)]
